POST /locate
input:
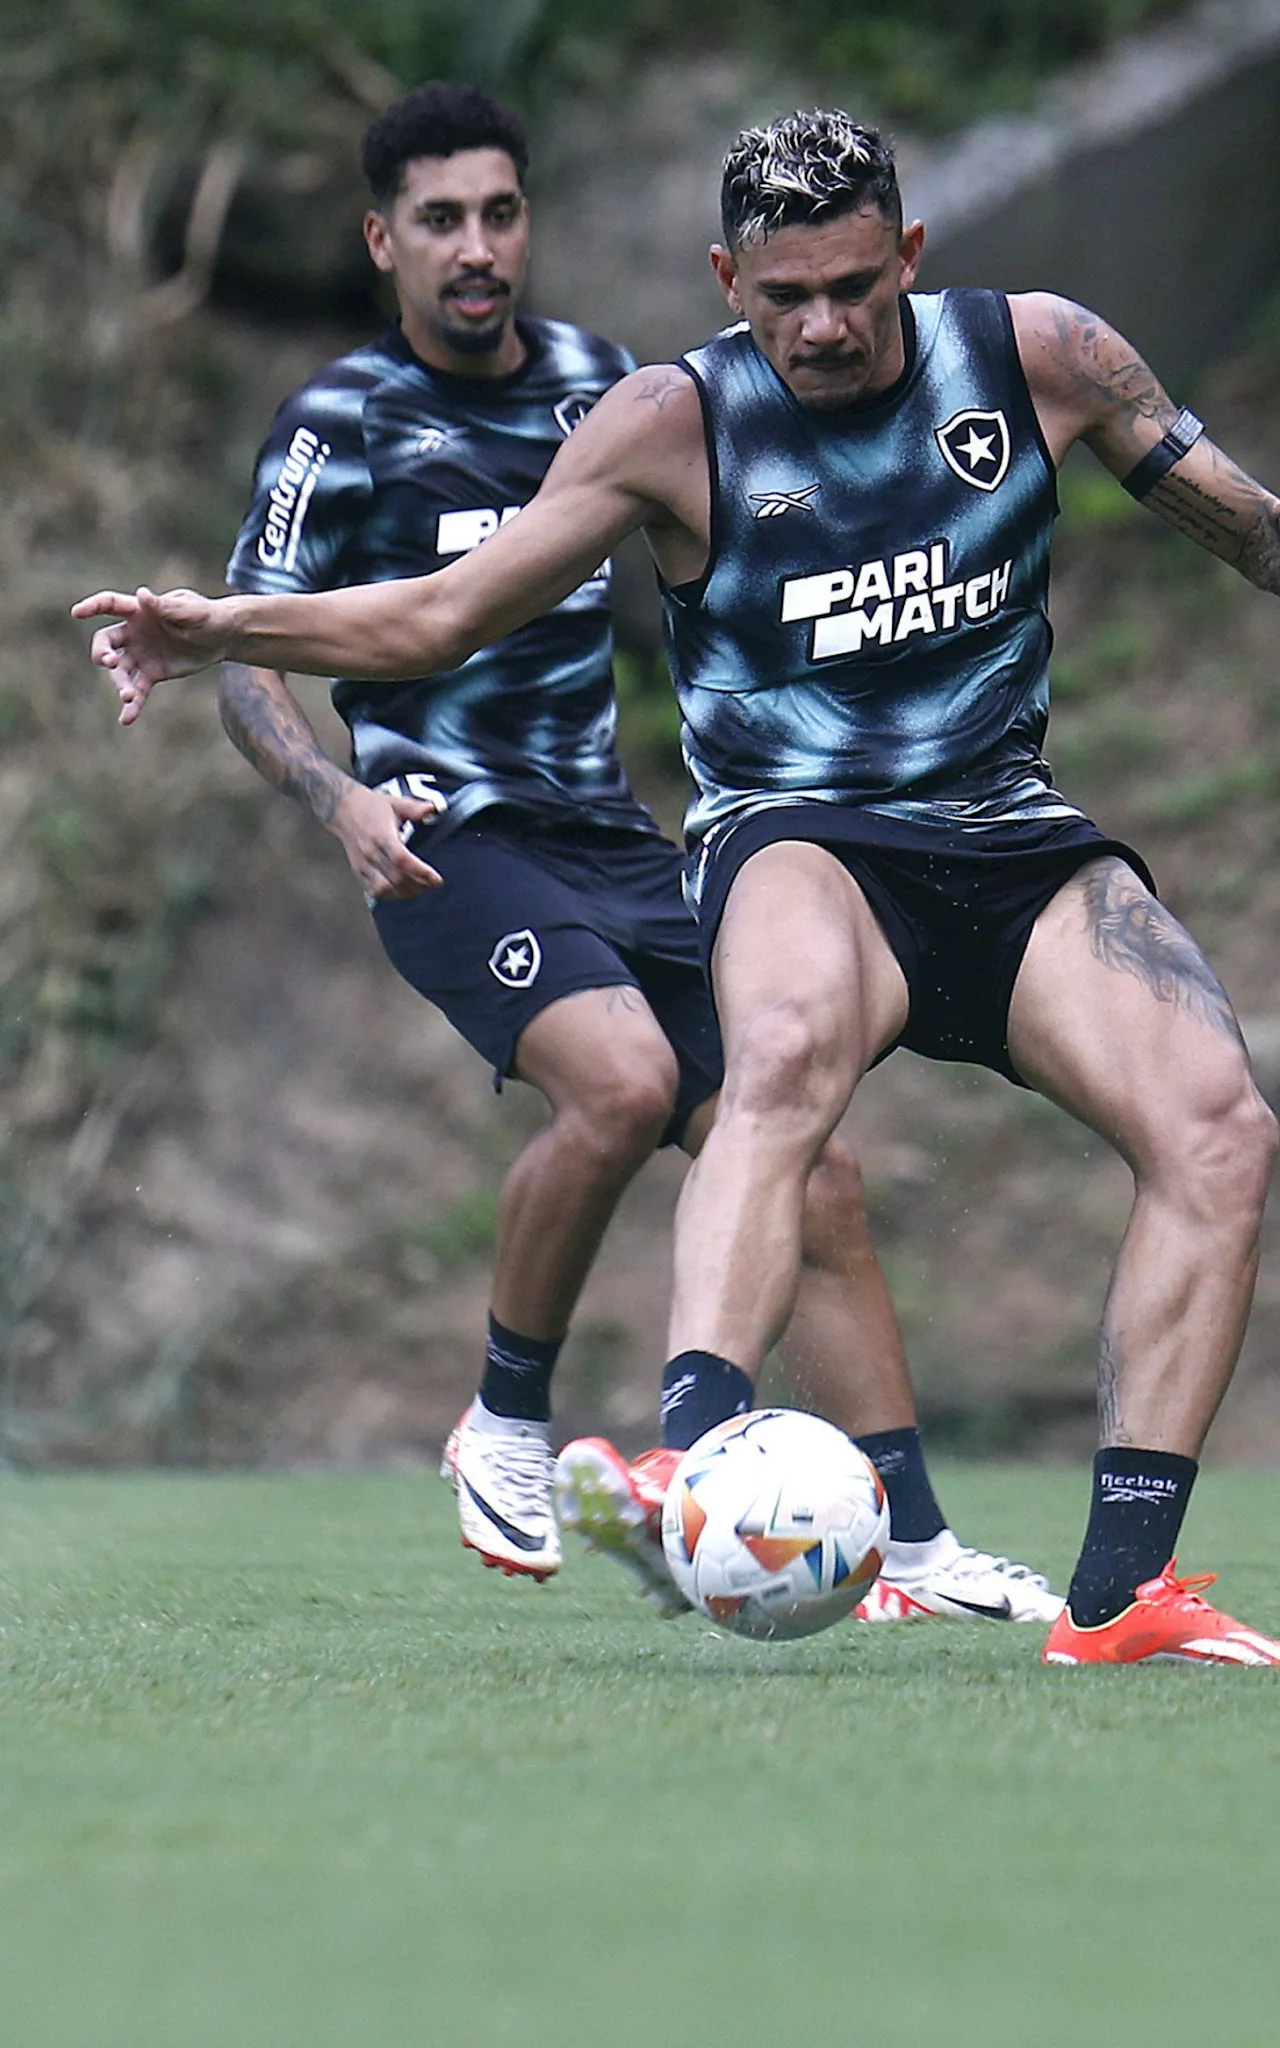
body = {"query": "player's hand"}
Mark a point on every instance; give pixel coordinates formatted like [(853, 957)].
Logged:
[(373, 827), (159, 636)]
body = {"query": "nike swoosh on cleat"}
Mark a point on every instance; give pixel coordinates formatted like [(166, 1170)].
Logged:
[(1004, 1612), (520, 1537)]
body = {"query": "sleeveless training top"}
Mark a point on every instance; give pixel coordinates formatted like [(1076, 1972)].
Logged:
[(381, 467), (872, 629)]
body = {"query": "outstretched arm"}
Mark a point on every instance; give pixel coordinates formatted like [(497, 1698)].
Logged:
[(1089, 384), (627, 465), (263, 719)]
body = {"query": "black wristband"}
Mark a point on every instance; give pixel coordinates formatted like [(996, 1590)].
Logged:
[(1145, 475)]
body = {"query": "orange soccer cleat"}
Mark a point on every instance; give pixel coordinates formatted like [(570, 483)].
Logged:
[(617, 1507), (1167, 1623)]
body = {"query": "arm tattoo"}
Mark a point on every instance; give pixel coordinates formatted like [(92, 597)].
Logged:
[(1135, 934), (654, 387), (1229, 514), (1108, 371), (1233, 517), (266, 725)]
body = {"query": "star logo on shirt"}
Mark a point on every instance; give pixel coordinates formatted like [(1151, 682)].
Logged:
[(570, 411), (515, 959), (976, 446)]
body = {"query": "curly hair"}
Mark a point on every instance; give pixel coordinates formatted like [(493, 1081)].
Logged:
[(438, 119), (805, 167)]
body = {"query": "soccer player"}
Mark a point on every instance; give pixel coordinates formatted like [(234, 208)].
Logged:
[(849, 495), (559, 944)]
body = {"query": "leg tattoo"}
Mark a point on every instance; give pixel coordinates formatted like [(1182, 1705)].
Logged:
[(1110, 1366), (1136, 935)]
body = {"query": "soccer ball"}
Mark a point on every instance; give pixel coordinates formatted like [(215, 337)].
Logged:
[(775, 1524)]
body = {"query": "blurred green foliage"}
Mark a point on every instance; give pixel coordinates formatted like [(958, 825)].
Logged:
[(198, 68), (931, 62), (458, 1236)]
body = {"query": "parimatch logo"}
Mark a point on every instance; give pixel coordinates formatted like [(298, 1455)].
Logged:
[(883, 603)]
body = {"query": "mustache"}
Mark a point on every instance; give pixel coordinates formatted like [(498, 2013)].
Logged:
[(825, 358), (455, 288)]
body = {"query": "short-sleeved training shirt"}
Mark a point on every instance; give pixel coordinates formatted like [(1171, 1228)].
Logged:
[(382, 467)]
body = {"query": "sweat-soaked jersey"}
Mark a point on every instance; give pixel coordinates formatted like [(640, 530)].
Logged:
[(381, 467), (871, 629)]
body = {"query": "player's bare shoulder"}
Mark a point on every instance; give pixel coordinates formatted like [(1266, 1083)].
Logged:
[(651, 416), (1085, 378), (664, 387), (645, 437)]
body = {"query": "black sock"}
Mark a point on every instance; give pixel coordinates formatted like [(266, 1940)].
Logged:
[(699, 1390), (1139, 1500), (898, 1456), (517, 1374)]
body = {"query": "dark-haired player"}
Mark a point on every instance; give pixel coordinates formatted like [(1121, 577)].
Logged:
[(559, 945), (849, 496)]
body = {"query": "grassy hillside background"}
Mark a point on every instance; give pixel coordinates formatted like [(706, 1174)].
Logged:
[(246, 1179)]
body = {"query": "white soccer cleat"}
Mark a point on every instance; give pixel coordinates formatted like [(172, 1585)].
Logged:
[(617, 1507), (502, 1473), (943, 1580), (449, 1455)]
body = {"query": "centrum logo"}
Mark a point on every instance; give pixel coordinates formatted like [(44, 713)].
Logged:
[(289, 497), (885, 602)]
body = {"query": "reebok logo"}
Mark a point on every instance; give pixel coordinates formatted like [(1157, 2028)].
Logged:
[(889, 601), (673, 1395), (289, 497), (772, 504), (1137, 1486)]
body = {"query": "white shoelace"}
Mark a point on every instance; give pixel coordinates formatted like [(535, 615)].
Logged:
[(523, 1467), (968, 1564)]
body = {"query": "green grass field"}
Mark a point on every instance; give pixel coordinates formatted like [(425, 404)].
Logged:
[(280, 1765)]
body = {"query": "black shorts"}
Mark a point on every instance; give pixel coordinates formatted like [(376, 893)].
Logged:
[(531, 912), (957, 914)]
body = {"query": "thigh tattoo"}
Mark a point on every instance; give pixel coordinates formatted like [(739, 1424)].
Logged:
[(1133, 932)]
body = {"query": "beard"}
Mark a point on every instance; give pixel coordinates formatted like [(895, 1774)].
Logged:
[(476, 341), (468, 339)]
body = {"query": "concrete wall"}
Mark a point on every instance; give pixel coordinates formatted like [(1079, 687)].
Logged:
[(1149, 190), (1147, 186)]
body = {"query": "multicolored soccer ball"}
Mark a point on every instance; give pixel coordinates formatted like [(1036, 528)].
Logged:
[(775, 1524)]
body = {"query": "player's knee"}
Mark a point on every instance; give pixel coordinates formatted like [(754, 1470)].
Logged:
[(1227, 1150), (1251, 1140), (785, 1059), (622, 1112)]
